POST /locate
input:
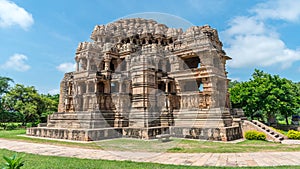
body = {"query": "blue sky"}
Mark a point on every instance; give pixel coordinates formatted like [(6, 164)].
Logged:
[(38, 39)]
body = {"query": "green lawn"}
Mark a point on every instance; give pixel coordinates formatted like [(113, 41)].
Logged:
[(194, 146), (20, 133), (46, 162), (175, 145)]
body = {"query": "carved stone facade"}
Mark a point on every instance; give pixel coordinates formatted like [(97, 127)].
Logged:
[(140, 78)]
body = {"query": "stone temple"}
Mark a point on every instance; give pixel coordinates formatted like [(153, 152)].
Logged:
[(138, 78)]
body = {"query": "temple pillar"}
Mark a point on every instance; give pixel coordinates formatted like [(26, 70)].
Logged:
[(156, 63), (127, 64), (87, 87), (77, 66), (119, 62), (95, 86), (107, 63), (88, 63), (120, 87)]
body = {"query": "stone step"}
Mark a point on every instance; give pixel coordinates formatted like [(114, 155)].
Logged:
[(278, 137)]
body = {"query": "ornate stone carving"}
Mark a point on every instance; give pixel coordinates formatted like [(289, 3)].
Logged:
[(138, 73)]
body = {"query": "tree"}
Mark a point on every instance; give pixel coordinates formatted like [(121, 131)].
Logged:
[(27, 102), (244, 95), (4, 84), (24, 100), (287, 98), (233, 83), (266, 96), (50, 105), (4, 87)]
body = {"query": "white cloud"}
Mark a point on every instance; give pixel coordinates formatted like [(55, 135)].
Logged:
[(12, 14), (251, 42), (278, 9), (16, 62), (53, 91), (66, 67), (241, 25)]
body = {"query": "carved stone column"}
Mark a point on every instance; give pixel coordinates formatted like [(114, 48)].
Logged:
[(167, 101), (88, 63), (120, 86), (77, 66), (107, 60), (87, 87), (127, 63), (95, 86)]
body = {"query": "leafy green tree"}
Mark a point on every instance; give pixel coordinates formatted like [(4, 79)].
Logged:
[(233, 83), (4, 87), (50, 105), (24, 100), (29, 105), (4, 84), (266, 96), (244, 95)]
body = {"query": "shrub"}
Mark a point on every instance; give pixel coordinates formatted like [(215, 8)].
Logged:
[(261, 136), (255, 135), (28, 125), (292, 134), (11, 126)]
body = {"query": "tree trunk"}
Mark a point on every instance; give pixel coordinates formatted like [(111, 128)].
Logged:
[(268, 119), (286, 120)]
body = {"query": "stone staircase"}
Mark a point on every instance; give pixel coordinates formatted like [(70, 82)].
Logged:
[(270, 133)]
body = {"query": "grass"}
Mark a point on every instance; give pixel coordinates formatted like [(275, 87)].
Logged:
[(19, 136), (195, 146), (191, 146), (47, 162), (174, 145)]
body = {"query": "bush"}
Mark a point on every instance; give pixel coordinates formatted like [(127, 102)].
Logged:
[(261, 136), (292, 134), (255, 135), (11, 126)]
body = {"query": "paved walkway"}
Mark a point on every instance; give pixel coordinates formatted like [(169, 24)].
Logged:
[(195, 159)]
